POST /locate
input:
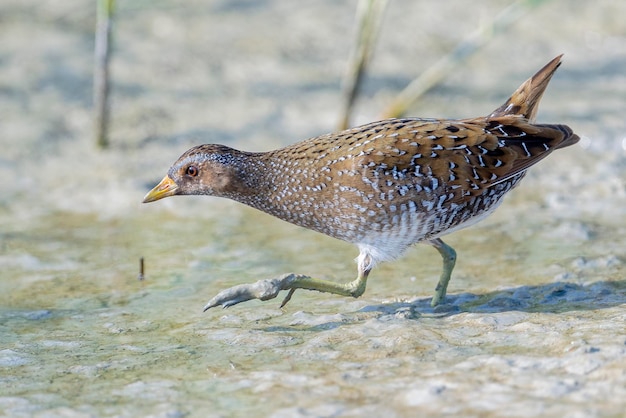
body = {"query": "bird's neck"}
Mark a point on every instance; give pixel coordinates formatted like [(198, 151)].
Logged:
[(255, 179), (267, 183)]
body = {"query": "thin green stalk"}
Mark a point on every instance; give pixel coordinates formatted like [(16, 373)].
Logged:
[(101, 71), (449, 63), (369, 18)]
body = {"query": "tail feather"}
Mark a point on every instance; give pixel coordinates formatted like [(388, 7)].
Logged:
[(569, 137), (525, 100)]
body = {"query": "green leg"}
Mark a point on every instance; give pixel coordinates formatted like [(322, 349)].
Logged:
[(354, 288), (268, 289), (449, 259)]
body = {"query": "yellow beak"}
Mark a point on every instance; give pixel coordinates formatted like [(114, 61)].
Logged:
[(165, 188)]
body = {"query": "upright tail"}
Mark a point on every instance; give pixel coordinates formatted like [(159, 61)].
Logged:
[(525, 100)]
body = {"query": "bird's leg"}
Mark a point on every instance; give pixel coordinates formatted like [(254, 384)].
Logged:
[(354, 288), (269, 288), (449, 259)]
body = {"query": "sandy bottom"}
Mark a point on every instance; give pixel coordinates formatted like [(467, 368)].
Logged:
[(534, 324)]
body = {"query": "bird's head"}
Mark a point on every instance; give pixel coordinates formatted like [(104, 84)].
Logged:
[(202, 170)]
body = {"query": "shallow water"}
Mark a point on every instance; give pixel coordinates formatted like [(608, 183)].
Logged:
[(535, 320), (82, 335)]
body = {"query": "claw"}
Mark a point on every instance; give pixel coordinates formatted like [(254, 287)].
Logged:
[(262, 290), (287, 298)]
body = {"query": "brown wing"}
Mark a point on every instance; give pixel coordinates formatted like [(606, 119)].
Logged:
[(463, 156)]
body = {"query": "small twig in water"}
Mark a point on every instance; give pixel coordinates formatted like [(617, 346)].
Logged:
[(141, 271)]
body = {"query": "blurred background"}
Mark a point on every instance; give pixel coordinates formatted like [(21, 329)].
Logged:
[(80, 335)]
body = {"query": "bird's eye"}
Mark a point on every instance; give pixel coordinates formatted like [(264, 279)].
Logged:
[(192, 171)]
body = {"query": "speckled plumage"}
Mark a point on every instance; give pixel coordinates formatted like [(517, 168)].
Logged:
[(382, 186)]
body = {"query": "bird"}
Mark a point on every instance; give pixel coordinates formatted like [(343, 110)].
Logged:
[(382, 186)]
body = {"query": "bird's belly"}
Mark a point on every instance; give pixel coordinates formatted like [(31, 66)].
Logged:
[(389, 235), (388, 227)]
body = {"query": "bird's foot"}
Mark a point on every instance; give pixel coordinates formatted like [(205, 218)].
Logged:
[(262, 290)]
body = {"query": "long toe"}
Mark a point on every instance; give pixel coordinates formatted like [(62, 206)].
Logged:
[(262, 289)]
